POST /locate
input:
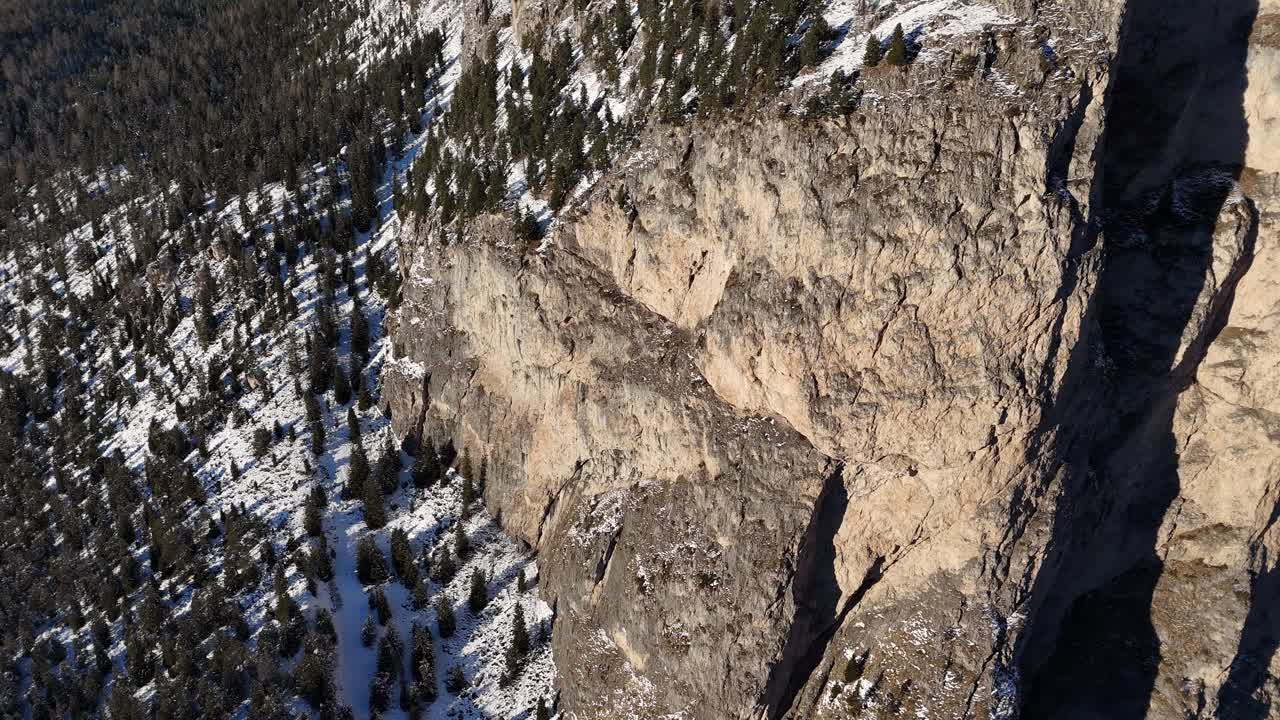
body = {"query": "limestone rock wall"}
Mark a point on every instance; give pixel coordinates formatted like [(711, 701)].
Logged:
[(939, 407)]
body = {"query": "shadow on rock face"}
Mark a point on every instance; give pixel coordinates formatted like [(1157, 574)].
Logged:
[(816, 592), (1258, 643), (1174, 145)]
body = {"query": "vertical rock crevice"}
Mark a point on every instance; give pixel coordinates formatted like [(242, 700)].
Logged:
[(820, 604)]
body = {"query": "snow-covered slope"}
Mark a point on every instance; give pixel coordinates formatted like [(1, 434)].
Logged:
[(273, 487), (929, 23)]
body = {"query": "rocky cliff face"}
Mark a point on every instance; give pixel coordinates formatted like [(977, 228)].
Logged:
[(959, 405)]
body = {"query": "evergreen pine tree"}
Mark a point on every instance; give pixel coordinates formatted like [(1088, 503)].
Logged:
[(468, 496), (388, 468), (261, 441), (285, 605), (811, 43), (317, 437), (324, 624), (897, 53), (341, 387), (455, 682), (519, 646), (421, 594), (873, 54), (312, 518), (359, 336), (313, 675), (426, 469), (445, 622), (122, 705), (528, 230), (371, 567), (353, 424), (446, 567), (378, 603), (461, 546), (402, 558), (379, 692), (357, 471), (375, 511), (478, 595), (423, 663)]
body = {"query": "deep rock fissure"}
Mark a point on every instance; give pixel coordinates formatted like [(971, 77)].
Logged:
[(819, 613)]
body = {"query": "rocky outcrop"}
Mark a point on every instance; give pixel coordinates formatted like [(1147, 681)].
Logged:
[(955, 406)]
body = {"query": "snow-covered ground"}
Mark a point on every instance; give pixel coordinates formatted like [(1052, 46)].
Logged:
[(923, 22)]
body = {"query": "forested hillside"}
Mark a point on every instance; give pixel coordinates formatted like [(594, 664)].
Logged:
[(204, 512)]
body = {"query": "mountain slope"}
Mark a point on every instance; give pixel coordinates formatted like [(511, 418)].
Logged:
[(160, 363)]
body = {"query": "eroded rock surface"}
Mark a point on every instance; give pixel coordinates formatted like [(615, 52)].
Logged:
[(960, 405)]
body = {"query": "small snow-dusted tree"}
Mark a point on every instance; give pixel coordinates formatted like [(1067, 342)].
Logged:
[(139, 660), (286, 606), (464, 465), (313, 516), (371, 567), (402, 558), (445, 622), (468, 496), (461, 545), (421, 595), (873, 53), (897, 53), (378, 603), (324, 624), (320, 362), (368, 631), (317, 437), (205, 323), (455, 682), (357, 470), (122, 705), (314, 675), (445, 567), (811, 44), (519, 645), (375, 511), (380, 691), (341, 385), (353, 424), (387, 469), (319, 563), (527, 229), (478, 595), (426, 469), (265, 701), (261, 441), (423, 663), (389, 652)]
